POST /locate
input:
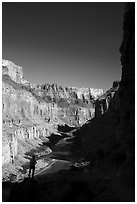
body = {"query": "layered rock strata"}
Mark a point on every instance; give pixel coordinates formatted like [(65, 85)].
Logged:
[(34, 111), (103, 103), (107, 141)]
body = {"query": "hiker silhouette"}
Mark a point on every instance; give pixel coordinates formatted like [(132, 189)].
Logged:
[(32, 166)]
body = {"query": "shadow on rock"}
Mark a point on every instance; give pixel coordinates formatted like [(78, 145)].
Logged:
[(65, 128), (78, 191), (28, 190)]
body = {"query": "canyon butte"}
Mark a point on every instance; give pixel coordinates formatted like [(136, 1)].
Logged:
[(99, 127)]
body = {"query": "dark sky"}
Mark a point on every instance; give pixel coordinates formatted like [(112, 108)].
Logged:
[(71, 44)]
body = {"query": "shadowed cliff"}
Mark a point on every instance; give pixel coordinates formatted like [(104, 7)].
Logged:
[(104, 147)]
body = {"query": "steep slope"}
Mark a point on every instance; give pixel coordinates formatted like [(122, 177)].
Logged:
[(35, 111), (75, 105), (108, 140), (118, 122)]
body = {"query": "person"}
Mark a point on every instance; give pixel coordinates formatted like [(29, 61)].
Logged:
[(32, 166)]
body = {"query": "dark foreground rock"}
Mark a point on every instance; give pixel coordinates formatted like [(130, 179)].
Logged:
[(107, 142), (88, 184), (26, 191)]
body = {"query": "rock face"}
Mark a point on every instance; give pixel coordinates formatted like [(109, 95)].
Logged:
[(125, 111), (55, 92), (34, 111), (108, 140), (119, 110), (103, 103)]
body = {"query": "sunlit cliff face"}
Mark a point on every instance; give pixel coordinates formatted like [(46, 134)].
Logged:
[(33, 111)]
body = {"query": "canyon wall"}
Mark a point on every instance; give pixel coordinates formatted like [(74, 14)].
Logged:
[(104, 102), (34, 111), (125, 109), (110, 135), (107, 141)]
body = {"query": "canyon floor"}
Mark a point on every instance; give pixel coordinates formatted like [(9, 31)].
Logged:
[(93, 163), (48, 162), (62, 176)]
